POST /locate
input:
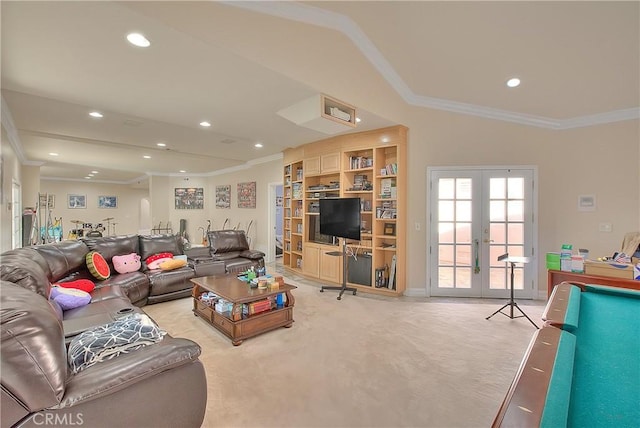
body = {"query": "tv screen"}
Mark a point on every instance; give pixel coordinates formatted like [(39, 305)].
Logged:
[(340, 217)]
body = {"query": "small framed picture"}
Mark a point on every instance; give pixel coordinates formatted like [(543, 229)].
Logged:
[(76, 201), (47, 201), (390, 229), (107, 202)]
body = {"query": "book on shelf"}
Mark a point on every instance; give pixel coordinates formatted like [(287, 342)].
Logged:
[(389, 169), (388, 188), (392, 274), (357, 162)]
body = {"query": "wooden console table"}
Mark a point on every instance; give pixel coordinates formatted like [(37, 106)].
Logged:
[(555, 277)]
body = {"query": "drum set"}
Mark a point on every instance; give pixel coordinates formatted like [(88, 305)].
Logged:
[(92, 230)]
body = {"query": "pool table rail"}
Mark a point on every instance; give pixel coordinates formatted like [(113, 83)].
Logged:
[(524, 404)]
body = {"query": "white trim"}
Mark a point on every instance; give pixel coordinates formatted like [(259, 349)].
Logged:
[(335, 21), (416, 292), (12, 133), (535, 293)]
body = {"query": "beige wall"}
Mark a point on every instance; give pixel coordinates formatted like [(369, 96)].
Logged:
[(11, 170), (163, 207), (126, 215), (570, 163)]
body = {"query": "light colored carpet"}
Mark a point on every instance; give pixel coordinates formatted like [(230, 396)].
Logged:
[(364, 361)]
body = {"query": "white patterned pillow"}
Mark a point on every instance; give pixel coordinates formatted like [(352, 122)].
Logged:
[(110, 340)]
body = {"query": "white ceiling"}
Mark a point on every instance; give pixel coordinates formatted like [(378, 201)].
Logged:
[(579, 62)]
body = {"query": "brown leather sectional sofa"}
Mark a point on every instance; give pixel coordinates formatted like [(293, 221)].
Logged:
[(162, 384)]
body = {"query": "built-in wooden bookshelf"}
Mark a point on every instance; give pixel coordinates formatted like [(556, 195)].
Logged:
[(370, 165)]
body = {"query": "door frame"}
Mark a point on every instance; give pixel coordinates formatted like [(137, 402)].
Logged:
[(271, 222), (533, 264)]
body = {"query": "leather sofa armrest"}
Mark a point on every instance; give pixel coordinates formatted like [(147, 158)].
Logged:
[(109, 376), (252, 254)]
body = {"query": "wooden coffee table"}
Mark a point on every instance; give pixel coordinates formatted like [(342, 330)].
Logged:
[(239, 293)]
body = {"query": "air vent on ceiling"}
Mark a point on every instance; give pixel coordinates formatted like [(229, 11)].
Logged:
[(321, 113), (228, 141)]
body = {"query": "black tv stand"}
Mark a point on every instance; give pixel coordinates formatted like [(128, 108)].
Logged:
[(344, 272)]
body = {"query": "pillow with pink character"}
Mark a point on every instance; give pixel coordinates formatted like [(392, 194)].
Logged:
[(126, 263)]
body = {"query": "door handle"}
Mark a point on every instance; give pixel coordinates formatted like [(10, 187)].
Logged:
[(476, 257), (487, 240)]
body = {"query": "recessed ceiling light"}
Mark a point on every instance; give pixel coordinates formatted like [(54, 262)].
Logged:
[(358, 120), (385, 139), (88, 178), (205, 124), (90, 175), (513, 82), (96, 114), (161, 145), (94, 172), (258, 145), (53, 154), (138, 40), (182, 171), (146, 157)]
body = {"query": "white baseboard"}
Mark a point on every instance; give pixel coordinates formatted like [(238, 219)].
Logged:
[(416, 292)]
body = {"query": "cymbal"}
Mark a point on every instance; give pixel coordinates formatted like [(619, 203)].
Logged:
[(107, 219), (77, 221)]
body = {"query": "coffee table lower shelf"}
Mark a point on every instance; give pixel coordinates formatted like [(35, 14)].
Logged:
[(242, 329)]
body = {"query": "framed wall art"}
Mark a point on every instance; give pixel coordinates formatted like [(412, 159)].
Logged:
[(247, 195), (76, 201), (223, 196), (51, 204), (107, 202), (189, 198)]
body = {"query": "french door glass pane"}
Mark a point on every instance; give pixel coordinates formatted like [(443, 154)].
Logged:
[(463, 233), (445, 188), (463, 277), (445, 277), (445, 211), (454, 232)]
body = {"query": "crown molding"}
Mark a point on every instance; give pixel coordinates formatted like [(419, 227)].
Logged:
[(332, 20), (12, 134)]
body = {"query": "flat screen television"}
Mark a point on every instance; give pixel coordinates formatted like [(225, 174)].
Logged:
[(340, 217)]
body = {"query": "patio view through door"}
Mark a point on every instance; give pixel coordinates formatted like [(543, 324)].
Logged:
[(475, 216)]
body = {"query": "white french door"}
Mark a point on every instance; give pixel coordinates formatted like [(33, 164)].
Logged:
[(475, 216)]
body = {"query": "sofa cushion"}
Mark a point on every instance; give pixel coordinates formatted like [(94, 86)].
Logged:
[(172, 264), (222, 241), (252, 254), (154, 244), (63, 257), (34, 365), (79, 284), (21, 269), (229, 255), (110, 340), (110, 246), (97, 265), (126, 263), (164, 282), (70, 298)]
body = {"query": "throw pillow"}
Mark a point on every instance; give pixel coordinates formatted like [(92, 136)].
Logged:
[(153, 262), (79, 284), (97, 265), (69, 298), (110, 340), (172, 264), (127, 263)]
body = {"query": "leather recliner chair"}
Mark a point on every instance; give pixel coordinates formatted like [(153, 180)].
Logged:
[(232, 247)]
